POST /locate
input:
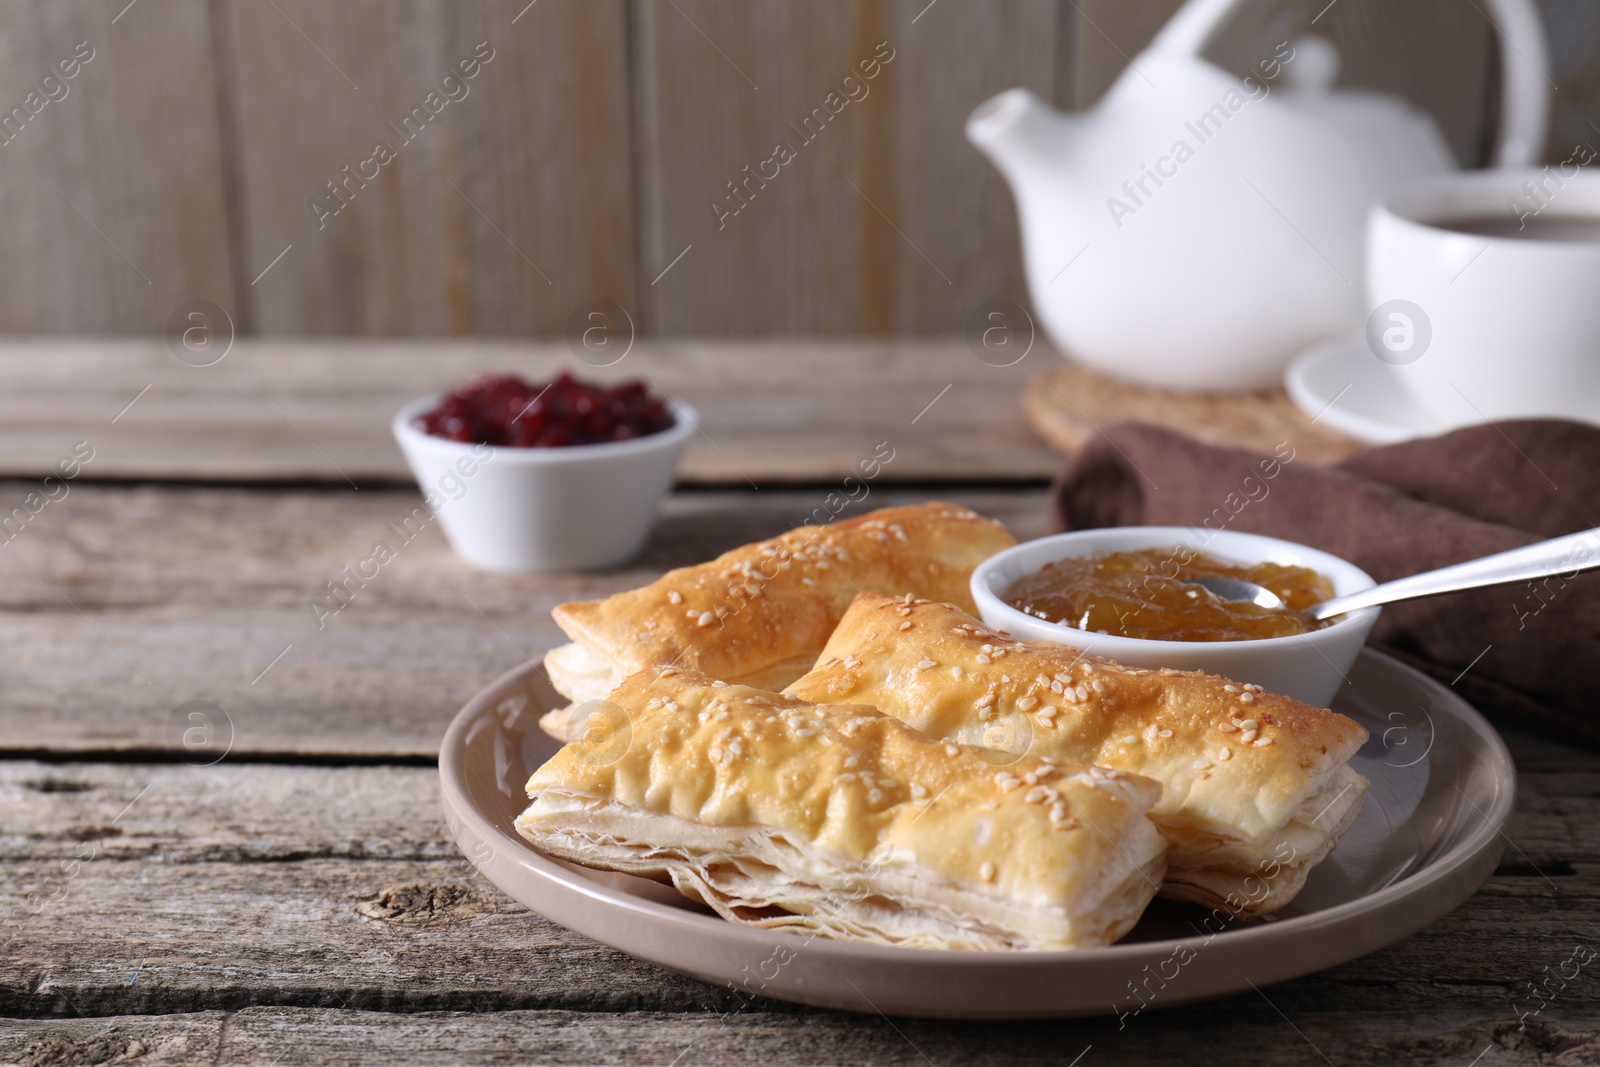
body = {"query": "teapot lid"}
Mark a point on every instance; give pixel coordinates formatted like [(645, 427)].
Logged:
[(1524, 65)]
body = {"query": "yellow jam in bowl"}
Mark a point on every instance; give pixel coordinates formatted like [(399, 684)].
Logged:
[(1147, 594)]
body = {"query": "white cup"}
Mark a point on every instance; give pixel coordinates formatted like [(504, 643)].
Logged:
[(530, 510), (1478, 327)]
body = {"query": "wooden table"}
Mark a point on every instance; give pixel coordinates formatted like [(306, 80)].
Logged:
[(299, 900)]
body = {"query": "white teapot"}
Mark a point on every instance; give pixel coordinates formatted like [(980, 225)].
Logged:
[(1196, 231)]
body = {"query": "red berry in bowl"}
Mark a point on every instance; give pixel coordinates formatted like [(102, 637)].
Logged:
[(506, 410)]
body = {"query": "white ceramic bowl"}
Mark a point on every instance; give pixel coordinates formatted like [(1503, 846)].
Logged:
[(527, 510), (1309, 667)]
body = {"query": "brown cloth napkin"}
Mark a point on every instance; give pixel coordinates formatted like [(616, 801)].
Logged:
[(1522, 653)]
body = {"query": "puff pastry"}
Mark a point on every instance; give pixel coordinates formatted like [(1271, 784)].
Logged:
[(1256, 787), (842, 821), (759, 615)]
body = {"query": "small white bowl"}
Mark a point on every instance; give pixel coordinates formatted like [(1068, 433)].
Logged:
[(528, 510), (1309, 667)]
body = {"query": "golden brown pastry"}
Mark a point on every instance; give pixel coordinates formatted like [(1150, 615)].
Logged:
[(1256, 787), (842, 821), (759, 615)]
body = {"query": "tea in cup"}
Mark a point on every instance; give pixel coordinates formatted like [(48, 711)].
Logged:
[(1484, 293)]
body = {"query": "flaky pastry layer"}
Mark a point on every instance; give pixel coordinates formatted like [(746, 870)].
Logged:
[(845, 822), (760, 614), (1238, 766), (1256, 881)]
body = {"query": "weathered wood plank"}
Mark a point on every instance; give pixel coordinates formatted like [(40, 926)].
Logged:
[(227, 813), (1234, 1033), (191, 594), (1436, 53), (174, 813), (261, 884), (508, 202), (320, 411), (210, 877), (136, 222), (546, 146), (883, 220), (382, 936), (427, 936)]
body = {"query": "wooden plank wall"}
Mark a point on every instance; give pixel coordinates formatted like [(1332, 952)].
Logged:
[(885, 221), (113, 206), (584, 159), (501, 213)]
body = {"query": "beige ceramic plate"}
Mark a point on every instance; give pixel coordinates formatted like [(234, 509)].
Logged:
[(1427, 837)]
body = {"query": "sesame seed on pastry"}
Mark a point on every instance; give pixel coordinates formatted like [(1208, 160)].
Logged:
[(839, 821), (760, 614), (1256, 787)]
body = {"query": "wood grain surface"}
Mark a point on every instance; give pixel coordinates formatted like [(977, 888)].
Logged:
[(300, 1036), (885, 220), (120, 605), (299, 901), (320, 411), (331, 897), (508, 203), (586, 156), (113, 194)]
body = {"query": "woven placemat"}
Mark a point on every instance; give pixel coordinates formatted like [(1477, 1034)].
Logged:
[(1067, 403)]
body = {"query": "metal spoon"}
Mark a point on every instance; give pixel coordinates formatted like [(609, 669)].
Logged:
[(1565, 556)]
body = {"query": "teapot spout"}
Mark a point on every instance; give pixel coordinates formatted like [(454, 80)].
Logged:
[(1021, 135)]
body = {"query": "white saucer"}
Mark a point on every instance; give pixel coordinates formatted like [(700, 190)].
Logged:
[(1340, 382)]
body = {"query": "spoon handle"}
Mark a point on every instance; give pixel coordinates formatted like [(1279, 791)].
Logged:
[(1566, 556)]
